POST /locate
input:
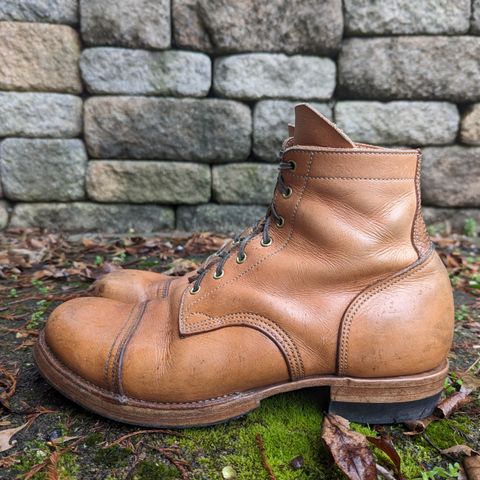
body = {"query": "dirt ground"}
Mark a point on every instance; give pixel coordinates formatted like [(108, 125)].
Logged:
[(60, 440)]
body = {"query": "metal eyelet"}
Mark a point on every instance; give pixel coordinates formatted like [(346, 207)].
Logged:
[(266, 244), (293, 163), (194, 290), (241, 259), (280, 222), (288, 193), (216, 277)]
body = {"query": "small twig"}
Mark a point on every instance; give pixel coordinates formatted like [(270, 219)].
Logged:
[(140, 432), (263, 455), (473, 365), (8, 385), (384, 472), (26, 299), (131, 471), (51, 460), (181, 465), (429, 441), (21, 330)]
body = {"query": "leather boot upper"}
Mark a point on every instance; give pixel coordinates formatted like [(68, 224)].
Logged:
[(340, 278)]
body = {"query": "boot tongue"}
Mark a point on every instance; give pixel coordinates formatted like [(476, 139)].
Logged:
[(313, 129)]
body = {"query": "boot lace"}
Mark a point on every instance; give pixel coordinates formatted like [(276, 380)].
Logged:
[(241, 240)]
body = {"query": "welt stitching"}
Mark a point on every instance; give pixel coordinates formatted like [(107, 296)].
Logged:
[(353, 310), (264, 320), (106, 368), (116, 373), (261, 260)]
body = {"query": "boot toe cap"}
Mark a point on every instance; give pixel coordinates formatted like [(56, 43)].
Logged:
[(80, 333)]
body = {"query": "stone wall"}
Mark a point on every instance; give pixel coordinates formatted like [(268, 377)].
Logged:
[(151, 114)]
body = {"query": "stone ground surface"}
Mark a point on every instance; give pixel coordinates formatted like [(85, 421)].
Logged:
[(40, 270)]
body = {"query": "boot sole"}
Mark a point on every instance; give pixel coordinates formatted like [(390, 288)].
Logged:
[(376, 401)]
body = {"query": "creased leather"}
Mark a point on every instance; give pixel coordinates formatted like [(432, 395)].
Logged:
[(400, 325)]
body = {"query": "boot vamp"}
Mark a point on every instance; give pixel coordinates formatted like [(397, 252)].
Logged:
[(287, 299), (136, 351)]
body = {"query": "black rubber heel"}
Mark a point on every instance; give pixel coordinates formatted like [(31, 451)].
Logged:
[(383, 413)]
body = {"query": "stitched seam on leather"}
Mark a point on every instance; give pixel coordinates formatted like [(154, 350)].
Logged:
[(261, 260), (353, 152), (295, 362), (166, 287), (118, 362), (107, 369), (421, 245), (294, 365), (319, 177), (363, 298), (414, 226)]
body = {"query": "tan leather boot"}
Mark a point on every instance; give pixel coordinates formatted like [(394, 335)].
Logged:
[(339, 286)]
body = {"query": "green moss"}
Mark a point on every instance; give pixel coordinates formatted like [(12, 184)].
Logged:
[(114, 456), (155, 470), (414, 455), (93, 439), (470, 227), (290, 426), (462, 313), (36, 452), (419, 456), (449, 432), (364, 429)]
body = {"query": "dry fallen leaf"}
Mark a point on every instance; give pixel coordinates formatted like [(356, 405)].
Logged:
[(387, 447), (418, 426), (472, 467), (180, 266), (452, 403), (460, 450), (6, 437), (349, 449)]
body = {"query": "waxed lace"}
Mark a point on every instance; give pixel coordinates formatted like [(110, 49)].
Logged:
[(241, 240)]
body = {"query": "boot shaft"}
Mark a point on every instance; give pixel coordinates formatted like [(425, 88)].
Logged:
[(360, 205)]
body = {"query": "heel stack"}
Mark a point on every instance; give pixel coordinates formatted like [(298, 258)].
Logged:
[(388, 400)]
